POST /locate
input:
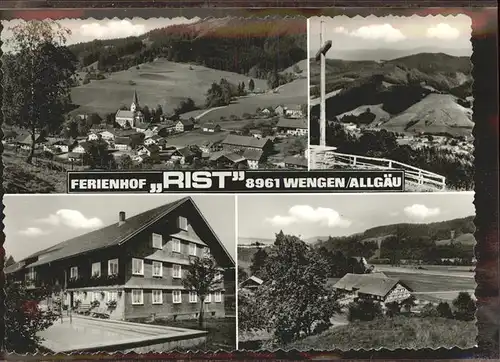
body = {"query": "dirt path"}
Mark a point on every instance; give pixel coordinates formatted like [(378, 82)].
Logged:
[(446, 273), (208, 111)]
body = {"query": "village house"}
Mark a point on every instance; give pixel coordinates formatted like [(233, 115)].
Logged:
[(81, 148), (23, 141), (155, 140), (294, 111), (236, 143), (148, 150), (108, 136), (280, 110), (225, 159), (9, 136), (257, 133), (129, 118), (142, 126), (182, 155), (211, 127), (251, 283), (123, 144), (165, 128), (253, 157), (184, 125), (292, 126), (209, 147), (374, 286), (134, 267)]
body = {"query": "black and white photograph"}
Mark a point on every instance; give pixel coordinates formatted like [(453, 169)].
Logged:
[(159, 93), (105, 273), (393, 92), (338, 272)]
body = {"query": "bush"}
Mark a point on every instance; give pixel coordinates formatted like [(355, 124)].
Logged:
[(364, 310), (465, 307), (429, 311), (444, 310)]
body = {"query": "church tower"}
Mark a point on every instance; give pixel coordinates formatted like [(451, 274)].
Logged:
[(134, 107)]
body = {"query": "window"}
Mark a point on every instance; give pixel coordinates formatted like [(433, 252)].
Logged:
[(183, 223), (157, 241), (192, 249), (157, 297), (73, 272), (177, 271), (137, 266), (112, 295), (176, 245), (95, 296), (218, 297), (157, 269), (137, 297), (193, 297), (208, 299), (96, 269), (31, 275), (113, 267), (176, 297)]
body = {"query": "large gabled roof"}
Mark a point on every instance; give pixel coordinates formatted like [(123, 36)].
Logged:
[(373, 284), (114, 234)]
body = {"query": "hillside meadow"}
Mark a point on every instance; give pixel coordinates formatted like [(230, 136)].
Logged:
[(159, 82)]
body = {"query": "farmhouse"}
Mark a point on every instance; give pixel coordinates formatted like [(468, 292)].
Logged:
[(142, 126), (108, 136), (237, 143), (253, 157), (257, 133), (184, 125), (134, 267), (183, 155), (82, 147), (251, 283), (292, 126), (24, 140), (374, 286), (211, 127), (208, 146), (155, 140), (61, 145), (129, 118), (280, 110), (294, 111), (226, 159)]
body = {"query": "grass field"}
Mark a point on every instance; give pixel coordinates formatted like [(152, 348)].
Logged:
[(20, 177), (392, 333), (159, 82)]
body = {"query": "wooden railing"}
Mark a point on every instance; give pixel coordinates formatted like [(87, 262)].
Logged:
[(415, 175)]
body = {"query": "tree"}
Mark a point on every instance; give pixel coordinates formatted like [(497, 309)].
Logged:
[(294, 297), (409, 303), (364, 310), (251, 85), (94, 119), (444, 310), (242, 275), (97, 155), (23, 317), (9, 261), (429, 311), (37, 78), (250, 316), (125, 162), (201, 278), (393, 308), (465, 307), (258, 261)]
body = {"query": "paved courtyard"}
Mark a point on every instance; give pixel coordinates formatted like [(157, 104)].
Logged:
[(86, 333)]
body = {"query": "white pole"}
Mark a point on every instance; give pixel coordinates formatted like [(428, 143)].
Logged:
[(322, 121)]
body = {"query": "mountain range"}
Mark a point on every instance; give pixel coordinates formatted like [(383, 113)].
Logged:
[(424, 92)]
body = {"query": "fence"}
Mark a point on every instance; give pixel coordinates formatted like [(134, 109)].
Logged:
[(415, 175)]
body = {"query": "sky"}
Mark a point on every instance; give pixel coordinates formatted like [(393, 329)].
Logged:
[(84, 30), (36, 222), (262, 216), (391, 32)]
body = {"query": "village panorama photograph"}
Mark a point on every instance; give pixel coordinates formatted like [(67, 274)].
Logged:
[(105, 273), (337, 272), (393, 92), (142, 94)]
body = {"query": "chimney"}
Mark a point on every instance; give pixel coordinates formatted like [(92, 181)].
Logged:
[(121, 218)]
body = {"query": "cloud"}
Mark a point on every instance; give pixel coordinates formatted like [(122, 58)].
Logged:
[(421, 212), (32, 232), (394, 213), (385, 32), (305, 214), (443, 31), (73, 219), (111, 29)]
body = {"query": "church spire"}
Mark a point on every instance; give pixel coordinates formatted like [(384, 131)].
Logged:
[(135, 102)]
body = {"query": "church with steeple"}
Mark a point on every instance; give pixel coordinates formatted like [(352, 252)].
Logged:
[(129, 118)]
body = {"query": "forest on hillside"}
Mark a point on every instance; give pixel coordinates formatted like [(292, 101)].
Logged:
[(254, 53)]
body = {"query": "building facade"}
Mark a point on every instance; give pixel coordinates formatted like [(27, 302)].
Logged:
[(135, 267)]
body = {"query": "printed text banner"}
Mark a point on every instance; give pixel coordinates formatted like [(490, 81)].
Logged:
[(235, 181)]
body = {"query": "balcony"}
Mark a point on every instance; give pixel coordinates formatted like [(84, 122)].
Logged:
[(93, 281)]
